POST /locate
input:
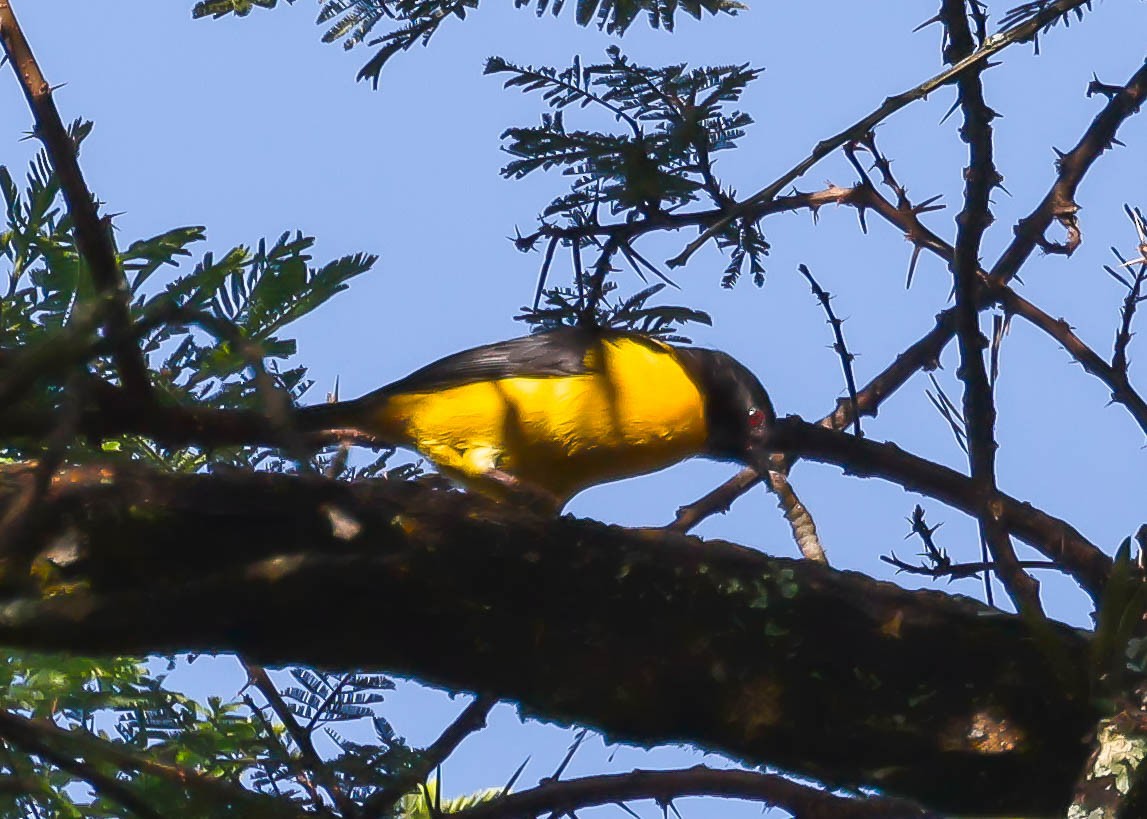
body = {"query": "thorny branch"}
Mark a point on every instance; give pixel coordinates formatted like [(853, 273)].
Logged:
[(935, 560), (841, 349), (1119, 361), (925, 352), (980, 177), (975, 61)]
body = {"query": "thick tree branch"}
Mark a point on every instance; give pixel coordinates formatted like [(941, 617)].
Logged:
[(93, 235), (789, 663)]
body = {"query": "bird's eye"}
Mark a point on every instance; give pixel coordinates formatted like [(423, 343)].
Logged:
[(756, 418)]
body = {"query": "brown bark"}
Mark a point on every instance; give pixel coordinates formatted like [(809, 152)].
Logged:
[(649, 636)]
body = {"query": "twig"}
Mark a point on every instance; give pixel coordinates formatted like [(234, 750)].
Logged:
[(718, 500), (93, 238), (1121, 391), (628, 231), (558, 798), (840, 347), (974, 61), (961, 571), (472, 718), (949, 411), (1134, 295), (257, 676)]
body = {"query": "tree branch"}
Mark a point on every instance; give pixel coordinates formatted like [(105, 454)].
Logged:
[(22, 732), (559, 798), (1054, 538), (828, 674), (980, 177), (472, 718), (973, 62), (93, 236)]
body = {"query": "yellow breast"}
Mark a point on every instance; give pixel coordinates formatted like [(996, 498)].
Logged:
[(634, 411)]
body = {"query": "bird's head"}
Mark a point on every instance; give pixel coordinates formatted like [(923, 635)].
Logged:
[(738, 411)]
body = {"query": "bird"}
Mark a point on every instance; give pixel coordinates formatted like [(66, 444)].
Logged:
[(537, 419)]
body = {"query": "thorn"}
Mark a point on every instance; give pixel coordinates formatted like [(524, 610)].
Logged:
[(912, 266), (951, 110), (927, 23), (514, 778)]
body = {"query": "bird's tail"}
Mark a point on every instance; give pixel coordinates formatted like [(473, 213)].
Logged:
[(331, 415), (368, 417)]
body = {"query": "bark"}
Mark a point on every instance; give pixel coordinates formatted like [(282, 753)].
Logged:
[(647, 635)]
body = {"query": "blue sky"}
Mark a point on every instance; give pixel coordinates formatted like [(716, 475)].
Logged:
[(252, 127)]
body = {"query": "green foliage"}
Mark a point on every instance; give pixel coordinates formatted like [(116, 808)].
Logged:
[(427, 803), (671, 121), (207, 333), (125, 704), (1117, 648), (221, 8), (353, 21), (47, 281), (656, 158), (214, 334)]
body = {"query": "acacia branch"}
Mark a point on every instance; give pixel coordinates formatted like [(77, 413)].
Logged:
[(1054, 538), (787, 663), (1059, 202), (973, 62), (93, 236), (980, 177), (924, 354), (560, 798)]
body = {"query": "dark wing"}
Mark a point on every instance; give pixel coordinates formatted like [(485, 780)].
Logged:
[(555, 353)]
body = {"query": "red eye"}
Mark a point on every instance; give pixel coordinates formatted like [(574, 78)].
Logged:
[(756, 418)]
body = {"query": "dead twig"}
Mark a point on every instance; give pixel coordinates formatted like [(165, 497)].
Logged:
[(839, 346)]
